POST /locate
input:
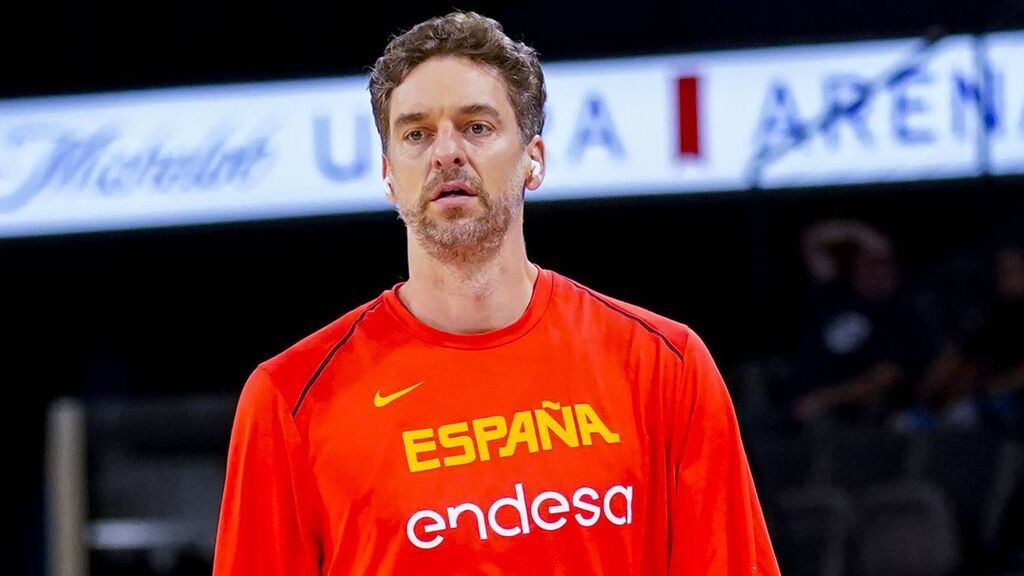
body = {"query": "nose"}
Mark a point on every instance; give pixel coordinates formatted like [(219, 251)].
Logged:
[(448, 150)]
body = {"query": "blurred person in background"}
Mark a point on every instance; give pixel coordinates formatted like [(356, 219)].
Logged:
[(866, 345), (487, 415), (979, 377)]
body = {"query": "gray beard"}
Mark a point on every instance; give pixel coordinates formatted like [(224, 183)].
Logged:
[(454, 237)]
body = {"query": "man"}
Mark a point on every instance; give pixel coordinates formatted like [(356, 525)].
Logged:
[(865, 346), (979, 377), (487, 416)]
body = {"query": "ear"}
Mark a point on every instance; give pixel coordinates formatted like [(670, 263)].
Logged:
[(535, 150), (385, 173)]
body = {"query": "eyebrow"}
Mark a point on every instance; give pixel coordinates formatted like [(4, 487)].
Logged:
[(481, 109), (467, 110), (409, 118)]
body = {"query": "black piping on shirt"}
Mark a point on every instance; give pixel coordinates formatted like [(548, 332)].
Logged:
[(640, 321), (330, 355)]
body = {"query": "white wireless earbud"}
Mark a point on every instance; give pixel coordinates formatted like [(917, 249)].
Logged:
[(534, 168)]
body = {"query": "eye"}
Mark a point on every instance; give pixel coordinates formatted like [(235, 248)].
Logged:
[(479, 128), (414, 135)]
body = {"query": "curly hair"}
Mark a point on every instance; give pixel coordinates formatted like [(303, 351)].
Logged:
[(468, 35)]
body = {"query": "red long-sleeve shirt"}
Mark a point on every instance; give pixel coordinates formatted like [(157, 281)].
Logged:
[(589, 437)]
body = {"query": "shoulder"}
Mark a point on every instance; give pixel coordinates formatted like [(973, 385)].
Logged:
[(290, 370), (674, 334)]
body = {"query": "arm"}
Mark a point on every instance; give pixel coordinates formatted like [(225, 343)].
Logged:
[(820, 240), (717, 527), (268, 514), (876, 382), (950, 377)]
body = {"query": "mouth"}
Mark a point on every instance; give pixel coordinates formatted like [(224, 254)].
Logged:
[(452, 190)]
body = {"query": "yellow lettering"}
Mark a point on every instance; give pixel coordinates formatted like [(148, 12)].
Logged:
[(590, 423), (547, 424), (446, 434), (485, 430), (521, 431), (466, 442), (415, 444)]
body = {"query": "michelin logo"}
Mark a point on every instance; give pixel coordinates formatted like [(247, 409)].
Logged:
[(46, 158)]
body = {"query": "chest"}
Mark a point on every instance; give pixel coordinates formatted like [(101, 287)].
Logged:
[(558, 436)]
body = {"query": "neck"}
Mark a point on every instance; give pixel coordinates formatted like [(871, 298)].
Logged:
[(470, 297)]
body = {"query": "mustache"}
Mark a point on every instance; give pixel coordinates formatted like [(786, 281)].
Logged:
[(452, 174)]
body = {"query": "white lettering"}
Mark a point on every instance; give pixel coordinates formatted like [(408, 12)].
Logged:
[(454, 512), (577, 501), (588, 502), (519, 503), (626, 491), (561, 508), (437, 526)]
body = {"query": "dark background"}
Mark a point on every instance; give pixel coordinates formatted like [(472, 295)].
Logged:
[(196, 308)]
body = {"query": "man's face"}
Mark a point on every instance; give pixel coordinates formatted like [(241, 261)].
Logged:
[(455, 160)]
